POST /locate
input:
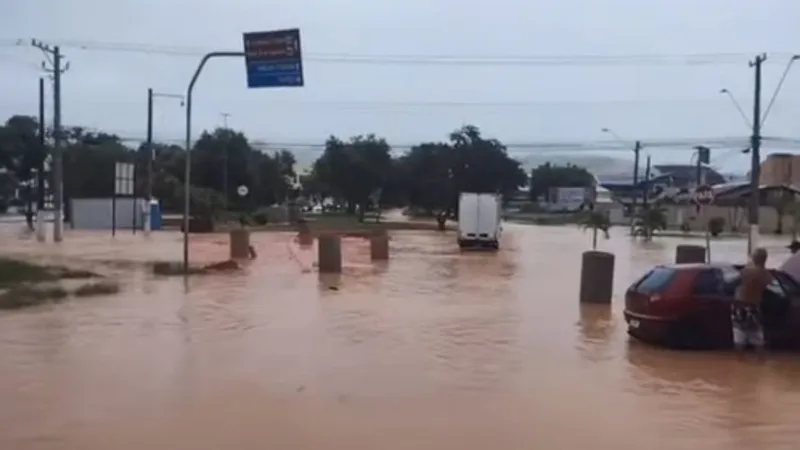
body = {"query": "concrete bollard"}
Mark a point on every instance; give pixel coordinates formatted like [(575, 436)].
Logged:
[(329, 254), (690, 254), (597, 277), (379, 246), (304, 236), (40, 227), (240, 243)]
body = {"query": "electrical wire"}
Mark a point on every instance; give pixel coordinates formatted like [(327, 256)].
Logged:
[(683, 144), (351, 58), (778, 88), (510, 105)]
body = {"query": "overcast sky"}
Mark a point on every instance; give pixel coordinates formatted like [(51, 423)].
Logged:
[(654, 99)]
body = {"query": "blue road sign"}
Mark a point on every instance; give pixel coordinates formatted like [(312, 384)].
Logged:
[(273, 59)]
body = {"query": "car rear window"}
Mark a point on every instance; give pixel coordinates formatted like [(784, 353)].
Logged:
[(655, 281)]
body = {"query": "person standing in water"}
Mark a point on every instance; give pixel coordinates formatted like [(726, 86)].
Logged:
[(746, 309)]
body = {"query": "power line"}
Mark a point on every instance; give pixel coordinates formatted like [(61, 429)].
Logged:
[(684, 144), (380, 104), (487, 60)]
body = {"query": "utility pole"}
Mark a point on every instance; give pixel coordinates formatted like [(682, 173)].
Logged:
[(40, 235), (755, 149), (225, 158), (42, 143), (151, 155), (636, 149), (703, 157), (151, 150), (646, 190), (54, 57)]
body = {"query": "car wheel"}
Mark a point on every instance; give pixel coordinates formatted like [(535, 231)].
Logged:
[(687, 335)]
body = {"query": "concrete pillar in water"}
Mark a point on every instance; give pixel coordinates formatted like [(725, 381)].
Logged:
[(690, 254), (379, 246), (597, 277), (304, 237), (40, 224), (329, 253), (240, 243)]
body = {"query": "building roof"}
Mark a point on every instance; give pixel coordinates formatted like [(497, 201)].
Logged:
[(689, 172)]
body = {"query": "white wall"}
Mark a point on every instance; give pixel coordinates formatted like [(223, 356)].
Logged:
[(96, 213)]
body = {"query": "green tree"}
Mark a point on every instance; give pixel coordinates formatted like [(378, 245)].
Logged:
[(483, 165), (433, 174), (649, 219), (223, 160), (427, 178), (21, 152), (355, 170), (597, 222), (548, 176)]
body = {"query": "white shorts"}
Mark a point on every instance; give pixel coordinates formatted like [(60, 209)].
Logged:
[(752, 336), (746, 326)]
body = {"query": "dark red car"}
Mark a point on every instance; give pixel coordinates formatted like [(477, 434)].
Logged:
[(689, 305)]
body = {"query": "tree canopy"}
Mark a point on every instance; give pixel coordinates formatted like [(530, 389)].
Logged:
[(547, 176), (358, 173)]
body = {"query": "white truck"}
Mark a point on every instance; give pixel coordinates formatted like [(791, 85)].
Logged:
[(479, 220)]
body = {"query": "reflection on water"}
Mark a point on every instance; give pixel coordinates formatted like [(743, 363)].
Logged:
[(433, 350)]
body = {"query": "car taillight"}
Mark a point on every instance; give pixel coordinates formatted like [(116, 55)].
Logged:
[(655, 298)]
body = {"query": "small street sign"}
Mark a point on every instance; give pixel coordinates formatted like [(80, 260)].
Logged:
[(123, 179), (704, 195)]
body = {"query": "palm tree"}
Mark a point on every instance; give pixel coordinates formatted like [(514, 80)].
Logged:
[(596, 221), (650, 219)]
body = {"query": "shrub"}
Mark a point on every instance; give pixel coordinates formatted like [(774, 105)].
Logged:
[(716, 225), (99, 288), (28, 295)]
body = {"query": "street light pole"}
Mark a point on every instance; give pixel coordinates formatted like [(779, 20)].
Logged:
[(225, 159), (151, 151), (729, 94)]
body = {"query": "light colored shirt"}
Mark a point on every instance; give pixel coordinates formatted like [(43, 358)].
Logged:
[(792, 266)]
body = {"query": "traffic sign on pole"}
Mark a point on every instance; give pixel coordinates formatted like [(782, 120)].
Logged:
[(274, 59), (704, 195)]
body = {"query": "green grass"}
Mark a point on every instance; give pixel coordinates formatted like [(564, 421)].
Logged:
[(24, 296), (14, 272), (167, 268), (96, 288)]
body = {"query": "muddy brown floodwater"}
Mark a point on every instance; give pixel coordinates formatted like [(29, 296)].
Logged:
[(434, 350)]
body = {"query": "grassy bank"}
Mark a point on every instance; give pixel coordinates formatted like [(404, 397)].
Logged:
[(24, 284), (14, 272), (543, 218), (346, 224)]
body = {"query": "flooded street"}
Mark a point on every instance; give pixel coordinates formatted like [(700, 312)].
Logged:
[(434, 350)]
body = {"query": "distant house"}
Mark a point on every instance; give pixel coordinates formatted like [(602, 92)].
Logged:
[(664, 178), (685, 175)]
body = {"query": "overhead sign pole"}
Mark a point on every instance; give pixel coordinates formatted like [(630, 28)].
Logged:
[(273, 59)]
